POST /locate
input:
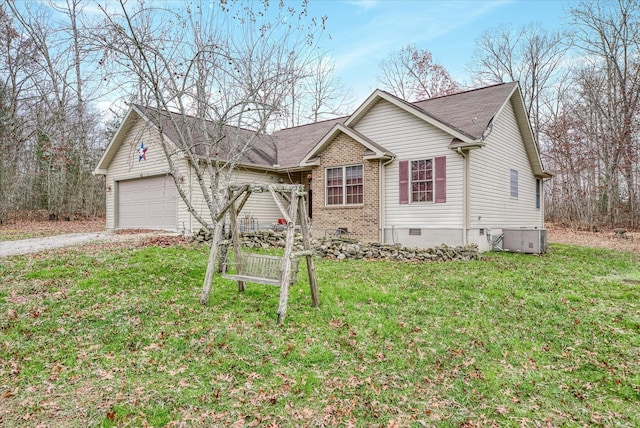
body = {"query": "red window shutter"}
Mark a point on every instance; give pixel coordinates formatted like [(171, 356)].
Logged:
[(404, 182), (441, 179)]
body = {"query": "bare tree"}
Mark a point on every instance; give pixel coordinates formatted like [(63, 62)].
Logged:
[(231, 67), (412, 74), (530, 54), (318, 95), (218, 77), (59, 122), (593, 137), (17, 56), (608, 35)]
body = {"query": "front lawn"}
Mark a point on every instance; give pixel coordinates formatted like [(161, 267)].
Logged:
[(116, 337)]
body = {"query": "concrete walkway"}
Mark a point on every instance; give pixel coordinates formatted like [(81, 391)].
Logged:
[(34, 245)]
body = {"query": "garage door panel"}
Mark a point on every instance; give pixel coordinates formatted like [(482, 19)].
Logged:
[(147, 203)]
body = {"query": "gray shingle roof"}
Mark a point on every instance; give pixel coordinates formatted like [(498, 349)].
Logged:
[(295, 143), (471, 111), (468, 112), (262, 153)]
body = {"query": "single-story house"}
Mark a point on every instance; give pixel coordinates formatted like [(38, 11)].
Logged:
[(450, 169)]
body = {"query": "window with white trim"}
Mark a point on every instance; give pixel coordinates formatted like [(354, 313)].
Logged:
[(344, 185), (514, 183), (422, 180)]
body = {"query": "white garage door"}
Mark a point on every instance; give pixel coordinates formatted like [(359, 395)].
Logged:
[(147, 203)]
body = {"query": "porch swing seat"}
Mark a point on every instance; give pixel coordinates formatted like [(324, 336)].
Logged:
[(260, 269)]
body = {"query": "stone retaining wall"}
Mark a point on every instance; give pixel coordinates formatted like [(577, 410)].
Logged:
[(344, 248)]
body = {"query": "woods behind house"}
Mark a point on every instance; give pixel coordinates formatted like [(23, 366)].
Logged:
[(66, 77)]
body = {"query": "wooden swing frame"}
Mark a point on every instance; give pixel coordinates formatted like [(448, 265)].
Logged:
[(258, 268)]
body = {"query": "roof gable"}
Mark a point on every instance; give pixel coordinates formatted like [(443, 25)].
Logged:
[(470, 112), (294, 143), (177, 128), (116, 141), (466, 116), (202, 133), (375, 151), (410, 108)]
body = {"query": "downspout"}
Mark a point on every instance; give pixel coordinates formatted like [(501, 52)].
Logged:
[(465, 195), (543, 204), (382, 198)]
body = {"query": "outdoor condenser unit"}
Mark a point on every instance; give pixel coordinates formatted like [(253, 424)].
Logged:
[(532, 241)]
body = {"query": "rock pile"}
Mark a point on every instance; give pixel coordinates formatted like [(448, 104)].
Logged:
[(345, 248)]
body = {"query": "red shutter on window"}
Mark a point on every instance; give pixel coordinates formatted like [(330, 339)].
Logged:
[(441, 179), (404, 182)]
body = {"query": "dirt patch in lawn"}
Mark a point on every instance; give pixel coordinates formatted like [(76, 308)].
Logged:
[(25, 229), (606, 239)]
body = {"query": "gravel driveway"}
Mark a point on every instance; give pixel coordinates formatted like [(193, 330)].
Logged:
[(34, 245)]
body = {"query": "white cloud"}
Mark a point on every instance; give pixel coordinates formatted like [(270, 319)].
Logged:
[(364, 5)]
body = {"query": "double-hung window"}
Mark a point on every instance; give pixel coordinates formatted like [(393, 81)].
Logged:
[(514, 183), (422, 180), (344, 185)]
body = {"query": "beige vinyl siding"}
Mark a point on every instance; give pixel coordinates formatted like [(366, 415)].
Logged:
[(126, 166), (411, 138), (491, 204), (260, 206)]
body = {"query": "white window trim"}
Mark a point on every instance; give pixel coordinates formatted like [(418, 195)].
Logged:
[(433, 181), (344, 186)]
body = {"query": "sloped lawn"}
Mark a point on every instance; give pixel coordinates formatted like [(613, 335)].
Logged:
[(116, 337)]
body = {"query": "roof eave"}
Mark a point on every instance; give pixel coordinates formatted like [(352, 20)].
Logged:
[(311, 162), (531, 146), (111, 149), (458, 145), (379, 156), (296, 168), (544, 175), (308, 158), (377, 152)]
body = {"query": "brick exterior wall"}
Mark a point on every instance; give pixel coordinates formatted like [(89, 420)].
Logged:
[(362, 221)]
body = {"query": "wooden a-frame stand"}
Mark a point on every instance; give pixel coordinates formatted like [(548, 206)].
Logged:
[(236, 197)]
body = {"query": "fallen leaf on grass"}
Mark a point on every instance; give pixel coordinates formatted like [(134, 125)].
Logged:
[(335, 323), (111, 415), (458, 351), (501, 410)]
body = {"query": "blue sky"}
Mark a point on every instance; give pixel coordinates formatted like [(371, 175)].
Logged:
[(363, 32)]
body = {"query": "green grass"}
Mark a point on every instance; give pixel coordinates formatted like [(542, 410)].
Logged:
[(14, 235), (117, 338)]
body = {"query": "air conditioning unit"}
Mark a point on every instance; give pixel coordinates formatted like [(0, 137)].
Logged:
[(531, 241)]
